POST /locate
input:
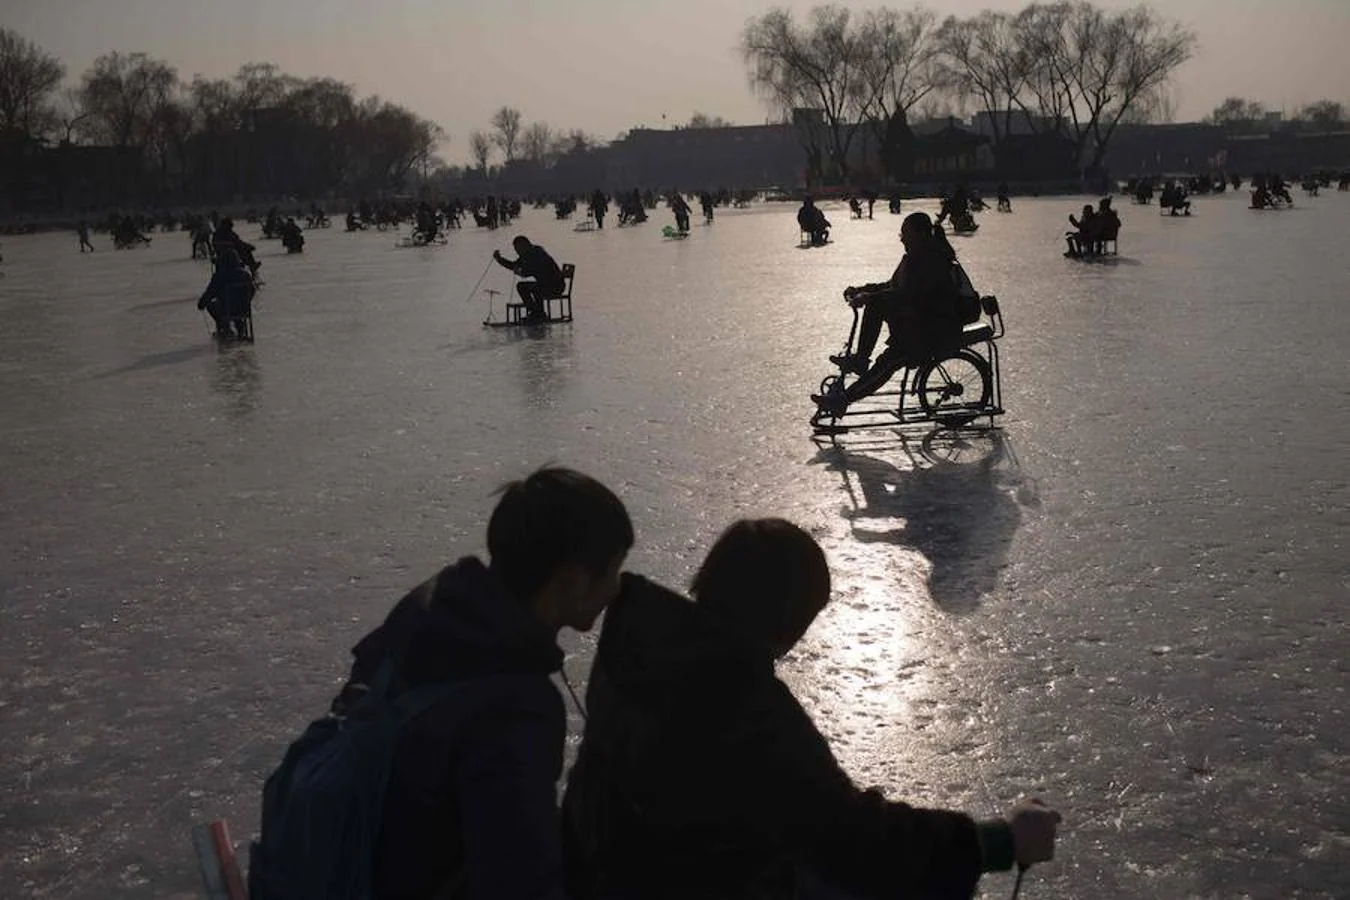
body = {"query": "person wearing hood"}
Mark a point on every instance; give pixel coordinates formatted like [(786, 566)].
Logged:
[(700, 774), (472, 796)]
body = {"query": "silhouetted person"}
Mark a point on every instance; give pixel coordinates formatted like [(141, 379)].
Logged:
[(226, 239), (533, 261), (700, 774), (470, 809), (1004, 203), (428, 226), (920, 305), (1107, 225), (680, 207), (82, 229), (599, 207), (1082, 240), (292, 238), (813, 222), (705, 200), (1173, 198), (228, 297)]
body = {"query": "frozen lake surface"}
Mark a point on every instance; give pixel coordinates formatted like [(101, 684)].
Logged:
[(1131, 600)]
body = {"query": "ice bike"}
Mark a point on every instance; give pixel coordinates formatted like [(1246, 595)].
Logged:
[(955, 387)]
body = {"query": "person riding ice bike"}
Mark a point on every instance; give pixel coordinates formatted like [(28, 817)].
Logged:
[(920, 305)]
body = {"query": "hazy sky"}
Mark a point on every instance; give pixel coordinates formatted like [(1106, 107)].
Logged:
[(608, 65)]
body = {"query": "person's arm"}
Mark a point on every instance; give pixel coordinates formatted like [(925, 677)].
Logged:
[(504, 262), (212, 291), (857, 840), (505, 784)]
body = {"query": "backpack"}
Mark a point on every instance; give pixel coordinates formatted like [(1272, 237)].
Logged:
[(323, 806), (967, 298)]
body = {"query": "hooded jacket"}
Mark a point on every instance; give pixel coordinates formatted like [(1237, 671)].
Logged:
[(471, 807), (701, 775)]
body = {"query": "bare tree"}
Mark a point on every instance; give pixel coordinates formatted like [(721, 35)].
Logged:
[(261, 86), (28, 76), (1155, 107), (817, 66), (703, 120), (121, 93), (506, 122), (1326, 115), (897, 62), (897, 71), (1089, 67), (981, 60), (574, 141), (1236, 112), (480, 147), (70, 114), (537, 143)]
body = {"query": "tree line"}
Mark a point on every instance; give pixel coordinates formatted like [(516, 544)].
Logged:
[(1243, 114), (1069, 70), (260, 131)]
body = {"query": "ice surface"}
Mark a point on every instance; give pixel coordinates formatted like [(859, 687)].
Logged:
[(1131, 602)]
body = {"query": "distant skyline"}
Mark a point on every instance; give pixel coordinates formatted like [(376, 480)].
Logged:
[(606, 66)]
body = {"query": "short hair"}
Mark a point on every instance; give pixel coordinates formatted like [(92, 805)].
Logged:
[(552, 517), (767, 577), (519, 239), (918, 222)]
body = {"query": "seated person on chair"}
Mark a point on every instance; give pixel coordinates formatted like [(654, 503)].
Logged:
[(919, 306), (1107, 224), (812, 221), (229, 296), (1083, 239), (226, 239), (428, 228), (1173, 198), (700, 775), (534, 262)]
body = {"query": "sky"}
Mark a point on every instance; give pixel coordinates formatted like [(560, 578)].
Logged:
[(609, 65)]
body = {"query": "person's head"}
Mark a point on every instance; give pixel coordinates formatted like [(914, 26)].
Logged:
[(1105, 204), (226, 224), (916, 229), (1088, 210), (557, 540), (767, 579), (521, 243), (807, 201)]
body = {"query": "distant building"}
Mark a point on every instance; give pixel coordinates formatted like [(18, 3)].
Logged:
[(1017, 122), (747, 156)]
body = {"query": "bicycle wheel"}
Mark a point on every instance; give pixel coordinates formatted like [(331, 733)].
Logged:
[(955, 390)]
